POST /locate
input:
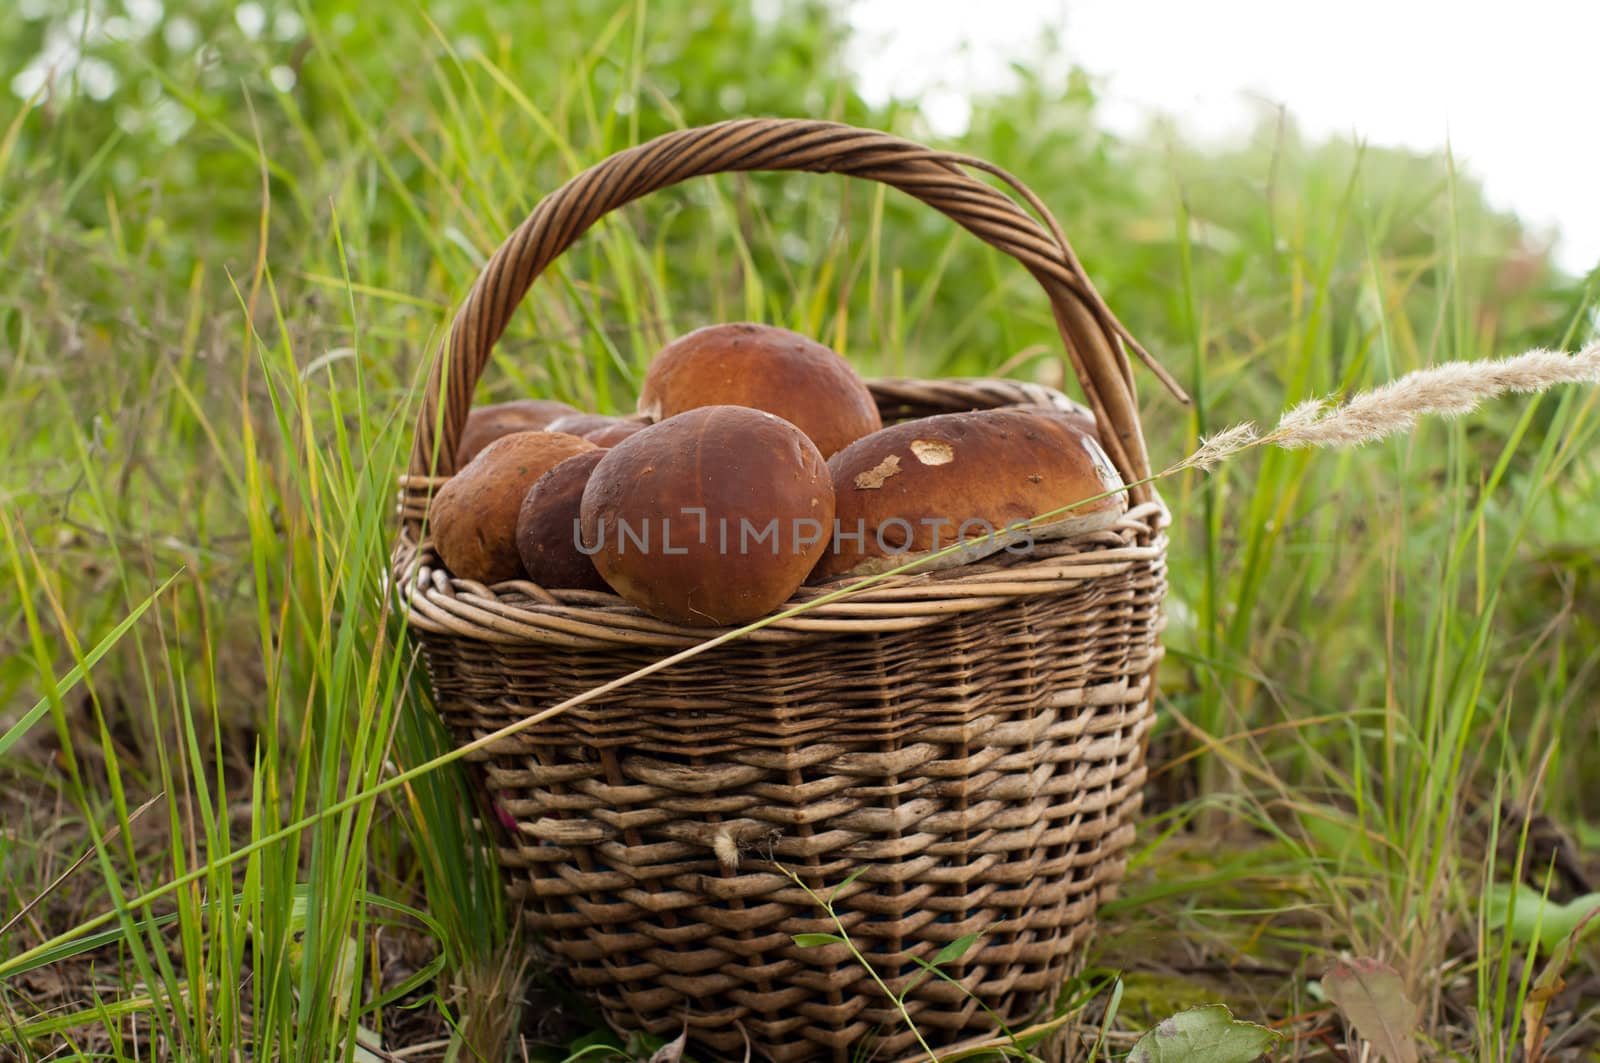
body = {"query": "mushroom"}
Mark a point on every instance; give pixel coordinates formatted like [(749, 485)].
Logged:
[(978, 478), (600, 429), (711, 517), (485, 424), (547, 526), (581, 424), (1075, 414), (766, 368), (612, 434), (473, 518)]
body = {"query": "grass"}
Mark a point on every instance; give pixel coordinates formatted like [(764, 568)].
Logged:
[(1378, 705)]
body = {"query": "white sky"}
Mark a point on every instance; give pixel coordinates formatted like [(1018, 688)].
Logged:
[(1514, 87)]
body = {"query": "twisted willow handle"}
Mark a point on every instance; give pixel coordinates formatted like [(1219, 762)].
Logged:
[(1096, 342)]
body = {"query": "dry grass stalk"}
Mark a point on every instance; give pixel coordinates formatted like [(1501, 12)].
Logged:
[(1450, 390)]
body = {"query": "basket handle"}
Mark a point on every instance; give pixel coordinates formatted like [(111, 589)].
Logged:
[(1096, 343)]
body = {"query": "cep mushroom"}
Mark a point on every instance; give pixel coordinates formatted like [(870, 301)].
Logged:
[(600, 429), (547, 526), (709, 518), (578, 423), (610, 435), (979, 478), (485, 424), (474, 515), (1075, 414), (766, 368)]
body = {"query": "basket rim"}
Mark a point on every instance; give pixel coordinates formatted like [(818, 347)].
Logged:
[(521, 611)]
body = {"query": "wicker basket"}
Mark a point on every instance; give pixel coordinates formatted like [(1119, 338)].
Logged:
[(969, 744)]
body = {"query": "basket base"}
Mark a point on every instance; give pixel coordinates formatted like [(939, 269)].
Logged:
[(732, 1041)]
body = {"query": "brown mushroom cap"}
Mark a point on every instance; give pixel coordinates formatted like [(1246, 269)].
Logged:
[(600, 429), (581, 424), (612, 434), (1075, 414), (920, 486), (473, 518), (547, 526), (485, 424), (766, 368), (712, 517)]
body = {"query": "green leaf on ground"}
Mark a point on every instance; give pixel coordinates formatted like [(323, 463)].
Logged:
[(1207, 1034), (1533, 917)]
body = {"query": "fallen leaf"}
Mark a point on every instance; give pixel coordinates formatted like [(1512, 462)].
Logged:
[(1207, 1034), (672, 1051), (1373, 997), (1547, 985), (369, 1046)]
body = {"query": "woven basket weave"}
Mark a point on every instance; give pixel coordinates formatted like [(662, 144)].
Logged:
[(969, 744)]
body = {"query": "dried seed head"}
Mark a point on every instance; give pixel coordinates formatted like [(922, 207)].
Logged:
[(727, 850)]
